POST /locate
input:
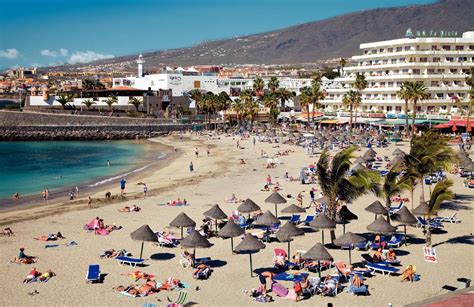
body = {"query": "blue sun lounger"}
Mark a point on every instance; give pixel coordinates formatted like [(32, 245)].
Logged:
[(395, 240), (308, 219), (360, 290), (295, 218), (93, 273), (130, 261), (376, 267), (290, 277)]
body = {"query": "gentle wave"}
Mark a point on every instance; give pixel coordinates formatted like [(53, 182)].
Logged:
[(118, 176)]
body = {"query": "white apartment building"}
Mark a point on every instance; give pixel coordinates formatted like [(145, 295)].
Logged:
[(441, 63)]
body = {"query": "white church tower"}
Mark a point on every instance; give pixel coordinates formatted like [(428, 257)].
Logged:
[(140, 62)]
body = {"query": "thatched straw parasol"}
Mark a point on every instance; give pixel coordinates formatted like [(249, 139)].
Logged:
[(231, 230), (317, 253), (249, 245), (358, 167), (182, 220), (404, 217), (381, 226), (293, 209), (422, 210), (322, 222), (349, 238), (195, 240), (275, 198), (371, 152), (267, 219), (377, 208), (248, 206), (216, 213), (287, 232), (143, 234), (398, 152), (360, 160), (344, 216)]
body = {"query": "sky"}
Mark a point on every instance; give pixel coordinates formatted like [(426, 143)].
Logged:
[(48, 32)]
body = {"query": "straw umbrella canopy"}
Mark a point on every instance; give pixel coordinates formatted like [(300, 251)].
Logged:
[(267, 219), (249, 245), (216, 213), (377, 208), (360, 160), (231, 230), (275, 198), (287, 232), (368, 157), (371, 152), (248, 206), (181, 221), (322, 222), (381, 226), (422, 209), (404, 217), (293, 209), (398, 152), (347, 239), (143, 234), (358, 167), (344, 216), (381, 137), (317, 253), (195, 240)]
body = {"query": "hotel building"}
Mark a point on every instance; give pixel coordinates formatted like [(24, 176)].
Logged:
[(441, 63)]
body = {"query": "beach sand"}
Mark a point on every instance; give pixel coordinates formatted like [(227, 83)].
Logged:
[(215, 179)]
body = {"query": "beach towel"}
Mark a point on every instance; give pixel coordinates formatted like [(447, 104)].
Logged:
[(102, 232), (279, 289), (72, 243)]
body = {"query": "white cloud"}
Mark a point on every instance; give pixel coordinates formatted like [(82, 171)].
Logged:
[(9, 53), (87, 56), (54, 53)]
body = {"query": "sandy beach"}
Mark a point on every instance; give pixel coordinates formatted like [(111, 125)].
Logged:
[(215, 178)]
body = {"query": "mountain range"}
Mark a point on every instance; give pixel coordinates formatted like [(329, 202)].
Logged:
[(315, 41)]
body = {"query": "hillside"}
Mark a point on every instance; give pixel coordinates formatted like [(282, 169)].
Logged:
[(330, 38)]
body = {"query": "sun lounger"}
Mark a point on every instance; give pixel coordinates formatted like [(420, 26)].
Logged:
[(93, 273), (395, 208), (378, 267), (357, 290), (290, 277), (181, 300), (336, 289), (295, 218), (423, 223), (308, 219), (450, 219), (395, 241), (130, 261)]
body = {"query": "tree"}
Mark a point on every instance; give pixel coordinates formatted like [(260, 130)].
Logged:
[(88, 103), (351, 100), (284, 95), (251, 110), (64, 99), (258, 85), (404, 94), (360, 84), (306, 99), (338, 186), (270, 102), (135, 102), (317, 94), (441, 193), (111, 101), (273, 84), (196, 95), (342, 63), (416, 91), (393, 185), (238, 107)]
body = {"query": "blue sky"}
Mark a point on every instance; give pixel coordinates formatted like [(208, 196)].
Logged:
[(34, 32)]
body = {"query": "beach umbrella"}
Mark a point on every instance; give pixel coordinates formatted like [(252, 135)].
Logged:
[(377, 208), (216, 213), (287, 232), (275, 198), (322, 222), (344, 216), (404, 217), (195, 240), (317, 253), (422, 209), (249, 245), (381, 226), (267, 219), (397, 160), (348, 239), (358, 167), (368, 158), (360, 160), (381, 137), (231, 230), (143, 234), (182, 220), (293, 209), (248, 206), (370, 152), (398, 152)]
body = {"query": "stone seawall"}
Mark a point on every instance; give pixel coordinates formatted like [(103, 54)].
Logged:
[(115, 132)]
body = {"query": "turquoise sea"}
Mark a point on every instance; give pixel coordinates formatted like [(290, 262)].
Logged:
[(30, 167)]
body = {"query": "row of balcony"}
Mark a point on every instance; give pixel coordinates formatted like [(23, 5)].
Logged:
[(413, 52)]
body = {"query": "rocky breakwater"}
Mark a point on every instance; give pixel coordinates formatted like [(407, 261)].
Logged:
[(112, 132)]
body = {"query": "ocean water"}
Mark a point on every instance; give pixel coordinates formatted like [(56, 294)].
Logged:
[(30, 167)]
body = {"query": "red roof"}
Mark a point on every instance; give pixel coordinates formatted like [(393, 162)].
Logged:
[(124, 88)]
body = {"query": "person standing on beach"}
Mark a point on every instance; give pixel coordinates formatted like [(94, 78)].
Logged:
[(254, 141), (89, 202), (45, 199), (122, 186), (197, 153), (77, 190), (145, 190), (208, 151), (191, 167)]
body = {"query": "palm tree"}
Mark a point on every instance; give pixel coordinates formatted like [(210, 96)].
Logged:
[(270, 102), (338, 186), (317, 94), (284, 95), (416, 91), (238, 107), (88, 103), (351, 100), (343, 63), (111, 101), (470, 83), (196, 94), (258, 85), (360, 84), (135, 102), (306, 99), (441, 193), (404, 94), (64, 99), (393, 185), (273, 84)]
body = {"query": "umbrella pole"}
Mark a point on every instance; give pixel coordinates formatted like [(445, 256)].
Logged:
[(289, 250), (405, 237), (276, 212), (141, 251), (350, 259), (344, 228), (251, 271), (322, 236), (232, 244), (181, 233), (216, 226), (319, 268), (375, 217)]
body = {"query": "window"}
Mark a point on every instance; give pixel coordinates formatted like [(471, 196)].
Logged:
[(446, 47), (382, 50), (423, 60), (407, 48), (434, 47), (449, 59), (436, 60), (399, 49), (416, 71), (453, 71), (390, 84), (398, 108), (458, 48), (434, 83), (391, 49)]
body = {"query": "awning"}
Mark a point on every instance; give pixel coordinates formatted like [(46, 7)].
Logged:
[(442, 126), (457, 123)]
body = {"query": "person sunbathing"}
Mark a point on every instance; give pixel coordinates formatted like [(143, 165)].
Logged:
[(124, 209), (262, 277), (391, 256), (46, 275), (137, 275), (31, 276), (330, 285), (233, 199), (408, 274), (8, 232), (378, 256), (23, 258), (201, 269), (357, 281), (265, 188), (242, 161)]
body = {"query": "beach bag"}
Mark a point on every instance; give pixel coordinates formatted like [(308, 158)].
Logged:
[(263, 298), (279, 289), (417, 277)]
